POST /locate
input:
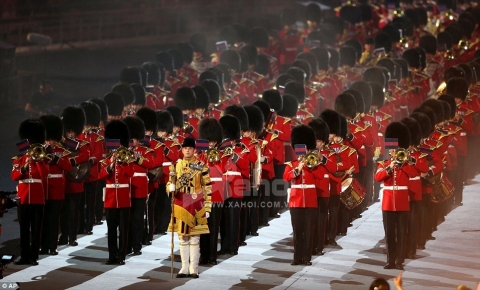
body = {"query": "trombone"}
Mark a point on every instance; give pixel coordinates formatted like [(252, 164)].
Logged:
[(401, 155)]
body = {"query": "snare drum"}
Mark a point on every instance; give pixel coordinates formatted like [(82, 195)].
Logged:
[(442, 190), (352, 193)]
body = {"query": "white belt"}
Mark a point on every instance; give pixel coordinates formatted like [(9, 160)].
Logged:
[(55, 176), (415, 178), (395, 187), (326, 176), (232, 173), (166, 163), (104, 155), (215, 179), (403, 107), (30, 180), (287, 143), (451, 146), (363, 147), (303, 186), (463, 134), (139, 174), (116, 185)]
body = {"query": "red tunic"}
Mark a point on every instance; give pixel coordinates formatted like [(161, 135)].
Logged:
[(235, 162), (158, 157), (97, 149), (83, 156), (117, 190), (171, 149), (415, 183), (303, 192), (139, 180), (54, 182), (30, 186), (216, 176)]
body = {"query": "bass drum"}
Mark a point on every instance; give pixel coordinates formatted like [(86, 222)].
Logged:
[(155, 174), (80, 171), (443, 190), (353, 193)]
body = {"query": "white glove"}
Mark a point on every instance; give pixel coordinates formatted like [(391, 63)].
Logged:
[(171, 188), (207, 214)]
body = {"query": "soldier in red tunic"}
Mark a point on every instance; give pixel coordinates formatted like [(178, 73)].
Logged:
[(115, 104), (213, 90), (117, 172), (185, 100), (199, 44), (395, 203), (29, 173), (201, 107)]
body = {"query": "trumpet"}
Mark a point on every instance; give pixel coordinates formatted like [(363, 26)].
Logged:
[(123, 154), (311, 159), (401, 155), (213, 155), (38, 152)]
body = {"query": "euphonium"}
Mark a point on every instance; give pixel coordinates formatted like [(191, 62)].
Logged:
[(311, 159), (37, 152), (213, 155), (401, 155), (124, 155)]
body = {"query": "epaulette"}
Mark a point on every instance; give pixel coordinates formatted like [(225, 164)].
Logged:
[(253, 141), (382, 163), (273, 135), (286, 120), (343, 148), (99, 138), (358, 129), (83, 143), (15, 158), (65, 153), (244, 147), (386, 116), (422, 155), (148, 150), (159, 144), (103, 161), (351, 151), (289, 163)]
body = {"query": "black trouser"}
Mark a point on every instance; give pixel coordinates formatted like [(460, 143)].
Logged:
[(279, 191), (413, 227), (99, 200), (209, 242), (360, 176), (163, 209), (51, 222), (425, 227), (69, 217), (333, 216), (137, 224), (149, 230), (231, 224), (265, 203), (471, 162), (369, 181), (30, 217), (81, 213), (345, 215), (319, 224), (395, 223), (249, 214), (117, 218), (90, 194), (459, 179), (302, 219)]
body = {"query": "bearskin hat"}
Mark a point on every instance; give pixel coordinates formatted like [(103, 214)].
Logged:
[(232, 58), (213, 90), (366, 12), (263, 65), (53, 127), (126, 91), (355, 43), (468, 71), (176, 114), (346, 105), (201, 97), (388, 64), (238, 112), (414, 129), (450, 100), (383, 40), (444, 38), (313, 13), (323, 57), (350, 14), (423, 56), (400, 131), (130, 75), (357, 95), (165, 59), (374, 74), (33, 130), (210, 129), (143, 76), (115, 104), (243, 63), (149, 118), (207, 75), (348, 56), (185, 98), (153, 73), (290, 106), (453, 72), (92, 113), (303, 134), (446, 110), (378, 95), (431, 116), (177, 57), (429, 43), (274, 99), (297, 90), (343, 127), (186, 50), (255, 119), (117, 129), (259, 37), (226, 72), (228, 34), (73, 119), (139, 94), (198, 41), (412, 56), (366, 90), (437, 107), (332, 118), (251, 53), (403, 67), (298, 73), (312, 61), (392, 31), (165, 121), (334, 58), (103, 109), (302, 65), (230, 127), (457, 87), (136, 127), (283, 80), (242, 32), (264, 107), (424, 122), (320, 128)]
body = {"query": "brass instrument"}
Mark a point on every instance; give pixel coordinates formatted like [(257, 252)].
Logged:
[(38, 152), (311, 159), (123, 154), (213, 155), (401, 155)]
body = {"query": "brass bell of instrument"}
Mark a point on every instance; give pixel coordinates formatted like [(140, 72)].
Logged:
[(311, 159), (401, 155), (37, 152), (213, 155), (124, 155)]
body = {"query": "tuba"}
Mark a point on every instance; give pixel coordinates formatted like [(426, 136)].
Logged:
[(124, 154), (38, 152), (311, 159)]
